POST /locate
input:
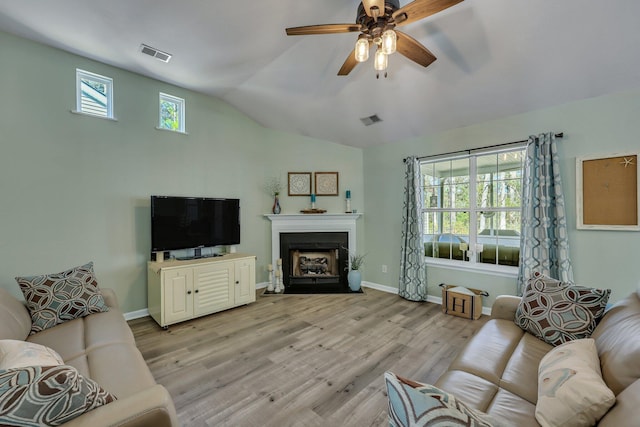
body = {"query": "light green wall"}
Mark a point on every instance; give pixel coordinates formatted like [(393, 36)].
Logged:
[(603, 125), (76, 188)]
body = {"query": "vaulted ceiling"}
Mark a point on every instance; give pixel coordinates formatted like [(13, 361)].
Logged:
[(495, 58)]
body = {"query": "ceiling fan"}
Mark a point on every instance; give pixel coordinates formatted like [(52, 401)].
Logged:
[(376, 22)]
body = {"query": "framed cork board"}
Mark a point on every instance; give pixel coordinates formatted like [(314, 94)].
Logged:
[(607, 192)]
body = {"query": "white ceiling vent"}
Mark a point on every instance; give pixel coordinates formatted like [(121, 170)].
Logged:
[(368, 121), (152, 51)]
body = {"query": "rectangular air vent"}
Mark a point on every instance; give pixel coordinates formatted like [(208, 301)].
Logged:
[(158, 54), (368, 121)]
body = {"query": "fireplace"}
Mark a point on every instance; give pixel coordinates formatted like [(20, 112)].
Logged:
[(314, 250), (314, 262)]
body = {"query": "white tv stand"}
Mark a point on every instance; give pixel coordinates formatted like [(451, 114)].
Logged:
[(183, 290)]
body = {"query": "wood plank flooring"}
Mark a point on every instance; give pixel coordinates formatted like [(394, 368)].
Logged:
[(300, 360)]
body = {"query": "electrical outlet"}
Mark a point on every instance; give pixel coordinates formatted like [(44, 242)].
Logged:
[(384, 268)]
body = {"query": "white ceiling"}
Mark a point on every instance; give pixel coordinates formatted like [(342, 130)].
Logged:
[(495, 58)]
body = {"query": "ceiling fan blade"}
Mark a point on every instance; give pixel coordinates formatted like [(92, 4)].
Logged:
[(373, 8), (323, 29), (419, 9), (412, 49), (349, 64)]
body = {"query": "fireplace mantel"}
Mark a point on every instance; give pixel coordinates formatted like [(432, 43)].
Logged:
[(301, 223)]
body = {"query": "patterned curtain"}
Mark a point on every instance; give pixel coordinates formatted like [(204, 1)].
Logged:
[(413, 280), (544, 243)]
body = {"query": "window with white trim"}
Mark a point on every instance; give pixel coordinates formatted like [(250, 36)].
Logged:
[(94, 94), (171, 113), (471, 207)]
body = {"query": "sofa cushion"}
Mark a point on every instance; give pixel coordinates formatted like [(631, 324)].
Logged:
[(49, 395), (411, 403), (21, 354), (557, 312), (571, 392), (520, 376), (55, 298), (487, 353), (473, 390)]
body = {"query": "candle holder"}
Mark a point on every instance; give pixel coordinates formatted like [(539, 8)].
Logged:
[(279, 275), (270, 285), (278, 288), (348, 202)]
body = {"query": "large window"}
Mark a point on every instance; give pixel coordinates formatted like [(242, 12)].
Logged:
[(472, 207), (94, 94)]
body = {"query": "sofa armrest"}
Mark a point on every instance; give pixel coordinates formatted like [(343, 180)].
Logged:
[(110, 297), (505, 307), (150, 407)]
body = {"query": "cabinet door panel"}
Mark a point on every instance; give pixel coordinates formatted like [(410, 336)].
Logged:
[(245, 281), (213, 284), (178, 298)]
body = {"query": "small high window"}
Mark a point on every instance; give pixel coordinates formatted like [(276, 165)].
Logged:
[(171, 113), (94, 94)]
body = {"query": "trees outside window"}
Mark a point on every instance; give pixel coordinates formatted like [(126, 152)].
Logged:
[(172, 113), (472, 207)]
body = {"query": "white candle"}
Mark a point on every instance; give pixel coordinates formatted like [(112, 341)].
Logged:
[(279, 261), (270, 267)]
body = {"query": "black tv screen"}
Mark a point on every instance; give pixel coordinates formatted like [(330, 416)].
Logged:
[(192, 222)]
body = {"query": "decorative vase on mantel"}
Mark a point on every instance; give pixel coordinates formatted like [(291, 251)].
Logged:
[(276, 205), (354, 278)]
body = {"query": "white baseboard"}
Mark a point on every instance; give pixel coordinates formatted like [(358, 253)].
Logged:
[(379, 287), (136, 314), (430, 298)]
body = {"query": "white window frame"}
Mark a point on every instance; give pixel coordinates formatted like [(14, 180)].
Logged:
[(472, 264), (181, 114), (107, 81)]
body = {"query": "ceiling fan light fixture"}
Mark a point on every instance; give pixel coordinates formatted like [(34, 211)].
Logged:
[(362, 49), (381, 61), (389, 39)]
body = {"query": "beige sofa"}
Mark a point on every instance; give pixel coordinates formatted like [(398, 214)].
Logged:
[(100, 346), (497, 371)]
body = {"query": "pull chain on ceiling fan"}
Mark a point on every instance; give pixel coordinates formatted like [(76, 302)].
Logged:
[(376, 21)]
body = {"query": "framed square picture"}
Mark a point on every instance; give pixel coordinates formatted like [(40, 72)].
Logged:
[(326, 183), (299, 183), (607, 192)]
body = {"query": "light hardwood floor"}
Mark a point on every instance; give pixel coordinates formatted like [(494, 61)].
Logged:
[(300, 360)]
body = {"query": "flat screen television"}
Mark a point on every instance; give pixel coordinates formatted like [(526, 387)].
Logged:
[(193, 222)]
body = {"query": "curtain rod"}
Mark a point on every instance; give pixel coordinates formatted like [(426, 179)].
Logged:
[(557, 135)]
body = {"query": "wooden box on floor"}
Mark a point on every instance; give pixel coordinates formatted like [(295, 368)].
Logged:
[(462, 302)]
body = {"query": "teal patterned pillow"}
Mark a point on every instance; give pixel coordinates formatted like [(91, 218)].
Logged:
[(47, 395), (558, 312), (55, 298), (415, 404)]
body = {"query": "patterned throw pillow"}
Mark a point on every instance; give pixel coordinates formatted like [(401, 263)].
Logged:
[(20, 354), (571, 391), (558, 312), (47, 395), (55, 298), (415, 404)]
